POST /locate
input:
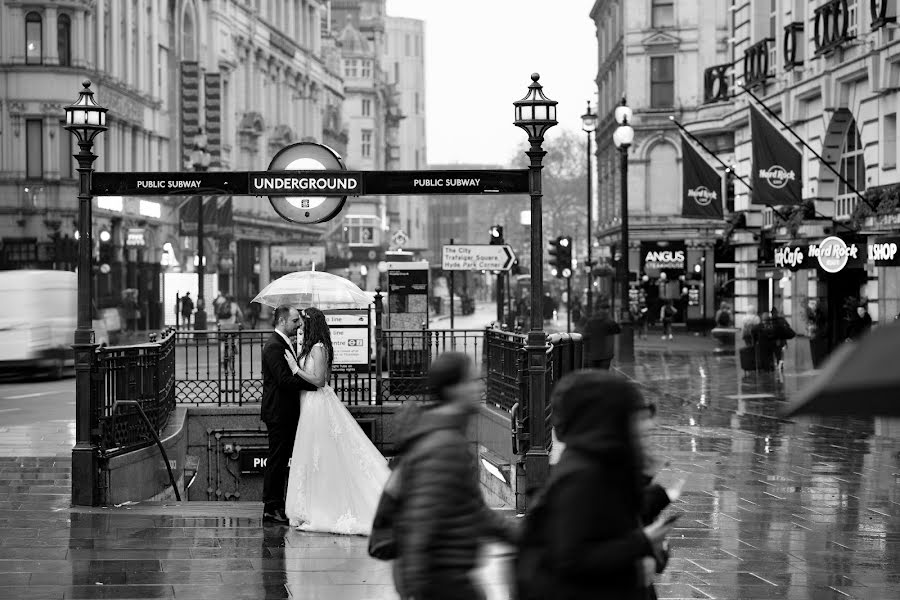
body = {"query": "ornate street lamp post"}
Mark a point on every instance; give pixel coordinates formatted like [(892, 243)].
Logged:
[(535, 113), (589, 126), (199, 162), (85, 119), (622, 138)]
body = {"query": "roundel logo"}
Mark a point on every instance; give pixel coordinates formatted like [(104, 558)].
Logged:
[(833, 254), (777, 176), (307, 156), (701, 195)]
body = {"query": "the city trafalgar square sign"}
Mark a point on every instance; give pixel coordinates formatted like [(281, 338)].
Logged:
[(477, 257), (307, 183)]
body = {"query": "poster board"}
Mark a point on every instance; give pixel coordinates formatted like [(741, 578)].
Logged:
[(351, 339)]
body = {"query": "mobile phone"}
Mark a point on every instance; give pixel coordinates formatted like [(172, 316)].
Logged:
[(671, 519)]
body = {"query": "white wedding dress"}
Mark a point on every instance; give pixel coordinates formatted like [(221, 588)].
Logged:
[(336, 474)]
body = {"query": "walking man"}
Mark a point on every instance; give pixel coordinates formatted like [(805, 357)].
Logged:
[(599, 343), (280, 410), (187, 309)]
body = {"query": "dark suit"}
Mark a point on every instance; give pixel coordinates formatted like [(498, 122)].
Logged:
[(281, 412)]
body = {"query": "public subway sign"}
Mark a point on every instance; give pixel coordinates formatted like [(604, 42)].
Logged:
[(831, 255)]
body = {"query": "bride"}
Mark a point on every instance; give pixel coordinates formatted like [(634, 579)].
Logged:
[(336, 474)]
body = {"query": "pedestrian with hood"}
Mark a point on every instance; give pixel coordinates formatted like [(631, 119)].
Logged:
[(583, 536), (442, 518), (599, 339)]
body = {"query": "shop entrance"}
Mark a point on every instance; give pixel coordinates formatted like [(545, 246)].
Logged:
[(843, 291)]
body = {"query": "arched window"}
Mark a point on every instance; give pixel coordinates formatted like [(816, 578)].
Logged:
[(64, 40), (663, 180), (853, 169), (188, 38), (34, 54)]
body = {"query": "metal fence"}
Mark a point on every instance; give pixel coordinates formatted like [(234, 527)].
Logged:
[(408, 354), (144, 373), (219, 367), (504, 364)]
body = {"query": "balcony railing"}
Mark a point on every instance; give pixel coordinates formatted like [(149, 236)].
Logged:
[(844, 206), (883, 12), (794, 45), (717, 83), (757, 68), (832, 27)]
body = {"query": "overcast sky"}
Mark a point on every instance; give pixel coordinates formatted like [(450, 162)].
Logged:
[(479, 57)]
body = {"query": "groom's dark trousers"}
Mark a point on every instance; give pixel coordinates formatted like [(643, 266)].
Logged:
[(280, 412)]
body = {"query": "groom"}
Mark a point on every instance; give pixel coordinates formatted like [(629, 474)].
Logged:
[(280, 410)]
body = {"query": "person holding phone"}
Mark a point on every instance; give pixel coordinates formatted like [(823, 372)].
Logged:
[(596, 541)]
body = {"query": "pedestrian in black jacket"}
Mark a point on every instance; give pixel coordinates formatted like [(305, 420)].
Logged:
[(599, 339), (443, 519), (597, 542)]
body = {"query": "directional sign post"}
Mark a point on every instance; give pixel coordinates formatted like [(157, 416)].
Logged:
[(477, 257)]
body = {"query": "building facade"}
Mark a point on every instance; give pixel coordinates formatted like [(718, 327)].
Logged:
[(405, 65), (830, 71), (364, 232), (250, 76), (653, 55)]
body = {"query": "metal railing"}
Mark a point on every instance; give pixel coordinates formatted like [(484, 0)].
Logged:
[(217, 367), (504, 367), (143, 374), (408, 354)]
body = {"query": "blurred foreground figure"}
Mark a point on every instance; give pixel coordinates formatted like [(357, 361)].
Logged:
[(443, 518), (583, 534)]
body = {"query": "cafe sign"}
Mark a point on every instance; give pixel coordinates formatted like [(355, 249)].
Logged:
[(832, 255)]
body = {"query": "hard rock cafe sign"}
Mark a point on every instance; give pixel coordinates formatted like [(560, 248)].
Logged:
[(777, 176), (832, 254), (702, 195)]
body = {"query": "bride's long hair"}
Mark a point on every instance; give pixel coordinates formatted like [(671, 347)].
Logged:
[(316, 330)]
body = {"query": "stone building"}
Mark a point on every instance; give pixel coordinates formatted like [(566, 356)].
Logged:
[(830, 70), (251, 76), (653, 54)]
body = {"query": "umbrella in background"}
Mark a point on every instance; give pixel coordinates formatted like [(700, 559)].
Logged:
[(313, 288), (859, 379)]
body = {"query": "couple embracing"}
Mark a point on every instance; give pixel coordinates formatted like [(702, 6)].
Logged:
[(322, 473)]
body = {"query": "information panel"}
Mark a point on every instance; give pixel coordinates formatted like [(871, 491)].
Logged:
[(351, 340)]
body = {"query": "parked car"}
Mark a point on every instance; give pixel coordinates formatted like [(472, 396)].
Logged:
[(38, 320)]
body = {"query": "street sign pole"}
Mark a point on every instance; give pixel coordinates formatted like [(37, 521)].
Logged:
[(451, 295)]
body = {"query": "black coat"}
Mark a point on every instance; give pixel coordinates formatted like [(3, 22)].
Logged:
[(443, 517), (281, 388), (599, 340)]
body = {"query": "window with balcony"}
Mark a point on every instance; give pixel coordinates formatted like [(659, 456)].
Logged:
[(889, 142), (853, 170), (662, 81), (366, 145), (34, 149), (663, 14), (64, 40), (34, 54)]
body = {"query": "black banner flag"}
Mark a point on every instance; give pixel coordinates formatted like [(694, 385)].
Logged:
[(777, 165), (701, 186)]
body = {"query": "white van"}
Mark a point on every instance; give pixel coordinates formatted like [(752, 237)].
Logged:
[(38, 316)]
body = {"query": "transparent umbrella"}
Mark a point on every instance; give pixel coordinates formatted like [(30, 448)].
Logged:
[(313, 288)]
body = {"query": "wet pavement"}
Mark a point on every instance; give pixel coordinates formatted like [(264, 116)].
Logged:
[(806, 509)]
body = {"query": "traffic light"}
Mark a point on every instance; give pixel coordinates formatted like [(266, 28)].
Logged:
[(565, 257), (561, 257), (105, 248), (496, 235)]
